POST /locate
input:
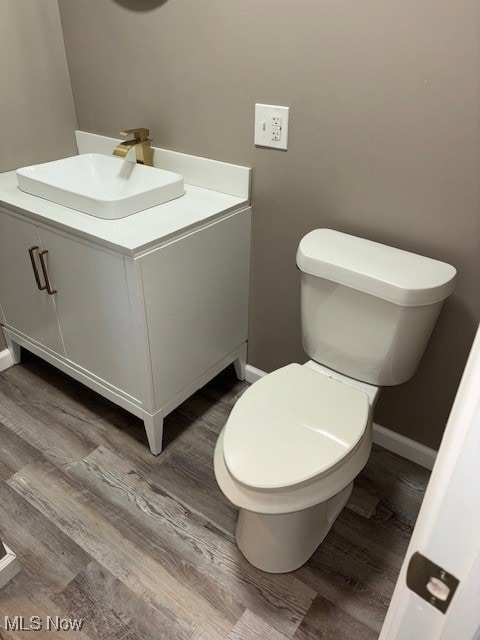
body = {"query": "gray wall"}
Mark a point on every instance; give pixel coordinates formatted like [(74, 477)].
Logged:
[(384, 131), (37, 116)]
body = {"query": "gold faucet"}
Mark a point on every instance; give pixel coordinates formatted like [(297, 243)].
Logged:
[(141, 142)]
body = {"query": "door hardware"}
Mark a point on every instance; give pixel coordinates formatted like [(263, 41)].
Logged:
[(42, 255), (431, 582), (34, 266)]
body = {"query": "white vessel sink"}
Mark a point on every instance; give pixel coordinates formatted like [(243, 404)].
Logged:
[(102, 186)]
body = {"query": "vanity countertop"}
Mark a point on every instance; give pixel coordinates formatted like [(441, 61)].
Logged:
[(133, 234), (142, 231)]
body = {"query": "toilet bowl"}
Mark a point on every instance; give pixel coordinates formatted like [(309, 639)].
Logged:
[(297, 438), (287, 458)]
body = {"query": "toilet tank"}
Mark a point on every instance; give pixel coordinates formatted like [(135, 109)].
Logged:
[(368, 310)]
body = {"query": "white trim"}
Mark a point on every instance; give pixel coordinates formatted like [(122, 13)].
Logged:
[(386, 438), (9, 567), (6, 360), (403, 446), (252, 374)]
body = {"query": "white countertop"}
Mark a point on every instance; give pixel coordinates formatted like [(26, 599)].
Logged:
[(141, 231), (133, 234)]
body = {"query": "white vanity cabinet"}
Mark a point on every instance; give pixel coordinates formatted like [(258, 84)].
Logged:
[(88, 313), (144, 328), (23, 305)]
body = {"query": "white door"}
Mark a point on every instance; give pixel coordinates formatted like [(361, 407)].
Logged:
[(447, 532), (93, 309), (25, 303)]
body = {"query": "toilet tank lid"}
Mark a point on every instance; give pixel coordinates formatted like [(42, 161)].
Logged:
[(398, 276)]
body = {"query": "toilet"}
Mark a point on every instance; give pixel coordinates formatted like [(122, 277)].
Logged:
[(297, 438)]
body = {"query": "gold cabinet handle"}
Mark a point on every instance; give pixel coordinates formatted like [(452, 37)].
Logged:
[(42, 255), (34, 267)]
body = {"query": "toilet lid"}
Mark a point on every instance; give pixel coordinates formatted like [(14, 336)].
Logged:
[(291, 426)]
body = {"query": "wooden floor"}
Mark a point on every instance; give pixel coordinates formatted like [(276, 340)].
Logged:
[(143, 547)]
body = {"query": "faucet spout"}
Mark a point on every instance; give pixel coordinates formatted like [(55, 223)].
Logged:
[(124, 147), (141, 143)]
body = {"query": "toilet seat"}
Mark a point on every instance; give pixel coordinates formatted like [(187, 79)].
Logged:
[(292, 427)]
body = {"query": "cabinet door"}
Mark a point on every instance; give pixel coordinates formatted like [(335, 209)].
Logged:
[(25, 308), (93, 309)]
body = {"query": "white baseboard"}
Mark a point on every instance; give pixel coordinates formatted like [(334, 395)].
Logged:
[(252, 374), (403, 446), (386, 438), (6, 360), (9, 567)]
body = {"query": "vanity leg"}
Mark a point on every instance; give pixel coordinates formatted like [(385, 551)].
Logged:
[(154, 430), (14, 349), (240, 363)]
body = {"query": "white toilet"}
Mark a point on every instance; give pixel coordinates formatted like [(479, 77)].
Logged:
[(296, 439)]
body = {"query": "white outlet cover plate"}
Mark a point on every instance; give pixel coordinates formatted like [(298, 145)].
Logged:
[(264, 114)]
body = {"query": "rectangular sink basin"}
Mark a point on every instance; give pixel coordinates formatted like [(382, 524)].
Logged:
[(102, 186)]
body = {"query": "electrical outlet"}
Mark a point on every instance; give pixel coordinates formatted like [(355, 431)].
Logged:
[(276, 133), (271, 126)]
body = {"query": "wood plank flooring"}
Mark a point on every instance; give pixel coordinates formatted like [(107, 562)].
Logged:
[(142, 547)]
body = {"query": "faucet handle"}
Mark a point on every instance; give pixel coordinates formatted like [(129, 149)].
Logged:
[(140, 134)]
